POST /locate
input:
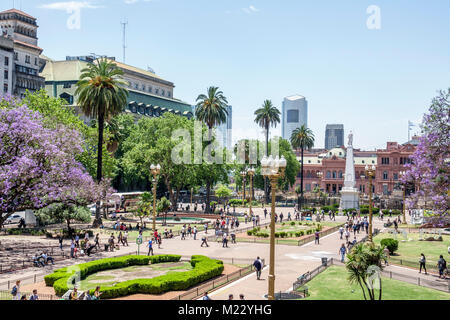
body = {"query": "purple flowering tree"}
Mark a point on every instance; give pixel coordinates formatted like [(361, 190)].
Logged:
[(38, 166), (430, 167)]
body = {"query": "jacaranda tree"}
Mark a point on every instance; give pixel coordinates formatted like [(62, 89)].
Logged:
[(429, 169), (37, 164)]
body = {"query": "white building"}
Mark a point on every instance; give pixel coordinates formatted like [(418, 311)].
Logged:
[(6, 65), (22, 29), (294, 115)]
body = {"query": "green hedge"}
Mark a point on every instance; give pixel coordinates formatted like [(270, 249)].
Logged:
[(391, 244), (204, 269)]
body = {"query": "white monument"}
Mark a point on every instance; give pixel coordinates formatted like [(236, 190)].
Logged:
[(349, 194)]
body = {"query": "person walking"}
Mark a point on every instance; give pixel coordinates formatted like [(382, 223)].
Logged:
[(204, 242), (150, 247), (125, 238), (195, 232), (72, 248), (316, 236), (386, 256), (265, 213), (206, 228), (225, 240), (423, 263), (15, 292), (257, 264), (343, 251), (60, 240), (341, 232), (205, 296), (442, 265)]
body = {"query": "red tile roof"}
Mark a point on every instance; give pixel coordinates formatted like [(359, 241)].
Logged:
[(28, 45), (18, 12)]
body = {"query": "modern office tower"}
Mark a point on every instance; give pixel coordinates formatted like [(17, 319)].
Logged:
[(334, 136), (294, 115), (224, 130)]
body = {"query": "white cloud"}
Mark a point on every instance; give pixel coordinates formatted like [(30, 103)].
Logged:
[(70, 5), (250, 9)]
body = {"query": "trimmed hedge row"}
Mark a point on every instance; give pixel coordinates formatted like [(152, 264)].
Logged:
[(204, 268)]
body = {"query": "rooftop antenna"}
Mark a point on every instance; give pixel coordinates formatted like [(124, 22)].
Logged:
[(124, 26)]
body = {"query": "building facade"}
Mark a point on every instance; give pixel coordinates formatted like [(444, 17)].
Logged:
[(6, 65), (149, 94), (22, 29), (294, 114), (334, 136), (388, 163)]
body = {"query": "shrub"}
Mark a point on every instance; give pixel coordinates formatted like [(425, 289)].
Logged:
[(283, 223), (292, 223), (204, 268), (391, 244), (326, 209)]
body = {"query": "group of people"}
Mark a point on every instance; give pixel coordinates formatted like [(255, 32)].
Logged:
[(17, 295), (85, 247), (42, 259)]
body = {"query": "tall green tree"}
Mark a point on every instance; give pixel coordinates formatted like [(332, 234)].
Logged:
[(212, 110), (101, 94), (302, 138), (267, 116)]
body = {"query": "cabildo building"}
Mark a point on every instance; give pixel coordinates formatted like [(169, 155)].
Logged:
[(149, 94)]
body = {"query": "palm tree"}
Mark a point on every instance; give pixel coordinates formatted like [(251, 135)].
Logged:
[(101, 95), (302, 138), (212, 110), (267, 116), (364, 267)]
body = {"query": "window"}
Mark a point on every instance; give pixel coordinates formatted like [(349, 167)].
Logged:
[(334, 175), (143, 87), (157, 91), (385, 189), (168, 94), (162, 92), (384, 160), (5, 88), (136, 86), (292, 116), (328, 174), (308, 187), (150, 89), (395, 176), (6, 61), (385, 175), (6, 75), (340, 174), (27, 59), (67, 85), (16, 56), (35, 61)]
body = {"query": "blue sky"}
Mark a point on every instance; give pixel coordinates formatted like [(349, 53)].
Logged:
[(372, 81)]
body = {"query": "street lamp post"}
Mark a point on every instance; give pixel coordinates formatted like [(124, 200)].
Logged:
[(370, 172), (155, 170), (273, 168), (320, 175), (402, 174), (251, 173), (243, 174)]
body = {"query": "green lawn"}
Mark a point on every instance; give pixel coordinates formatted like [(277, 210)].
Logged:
[(332, 284), (411, 249)]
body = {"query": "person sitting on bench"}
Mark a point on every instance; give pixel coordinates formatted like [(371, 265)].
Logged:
[(47, 258), (37, 261)]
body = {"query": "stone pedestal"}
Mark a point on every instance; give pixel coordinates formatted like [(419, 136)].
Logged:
[(349, 199)]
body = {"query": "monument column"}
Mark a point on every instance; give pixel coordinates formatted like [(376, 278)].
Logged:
[(349, 194)]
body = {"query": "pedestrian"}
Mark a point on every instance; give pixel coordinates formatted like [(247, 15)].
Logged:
[(125, 238), (97, 241), (225, 240), (195, 232), (265, 213), (60, 240), (258, 267), (241, 297), (343, 251), (341, 232), (72, 248), (206, 227), (97, 294), (281, 217), (204, 242), (442, 265), (34, 296), (150, 247), (159, 240), (205, 296), (386, 256), (77, 241), (183, 233), (423, 263), (230, 297), (15, 292), (316, 235)]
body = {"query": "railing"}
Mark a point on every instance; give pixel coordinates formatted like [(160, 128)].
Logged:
[(211, 285), (238, 230), (28, 263), (412, 264), (6, 295), (308, 276), (25, 280)]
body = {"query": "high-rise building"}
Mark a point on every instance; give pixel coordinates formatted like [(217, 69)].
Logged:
[(6, 65), (294, 115), (224, 130), (22, 29), (334, 136)]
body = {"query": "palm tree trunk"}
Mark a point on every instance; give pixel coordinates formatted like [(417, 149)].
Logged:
[(362, 288), (381, 290), (101, 123), (301, 183), (208, 195)]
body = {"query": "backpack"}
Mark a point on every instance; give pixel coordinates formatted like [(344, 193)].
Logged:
[(14, 291)]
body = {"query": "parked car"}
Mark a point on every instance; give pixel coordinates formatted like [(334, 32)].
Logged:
[(15, 218), (91, 207)]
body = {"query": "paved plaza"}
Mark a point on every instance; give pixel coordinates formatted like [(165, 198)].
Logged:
[(291, 261)]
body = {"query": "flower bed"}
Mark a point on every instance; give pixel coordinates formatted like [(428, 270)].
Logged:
[(204, 268)]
